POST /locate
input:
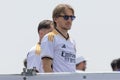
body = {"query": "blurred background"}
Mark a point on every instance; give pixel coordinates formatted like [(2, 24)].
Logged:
[(96, 31)]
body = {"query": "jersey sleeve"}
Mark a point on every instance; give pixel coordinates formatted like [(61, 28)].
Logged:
[(47, 47)]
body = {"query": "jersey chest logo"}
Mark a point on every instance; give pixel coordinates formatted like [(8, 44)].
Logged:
[(64, 46)]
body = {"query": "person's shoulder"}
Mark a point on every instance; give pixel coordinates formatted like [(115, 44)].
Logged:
[(32, 50), (50, 36), (72, 40), (53, 33)]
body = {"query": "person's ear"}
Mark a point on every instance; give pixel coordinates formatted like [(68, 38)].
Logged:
[(55, 19), (41, 32)]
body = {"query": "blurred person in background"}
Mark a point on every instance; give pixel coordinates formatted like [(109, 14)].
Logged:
[(80, 63), (33, 56)]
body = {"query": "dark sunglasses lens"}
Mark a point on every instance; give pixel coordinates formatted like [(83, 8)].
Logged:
[(66, 17), (72, 17)]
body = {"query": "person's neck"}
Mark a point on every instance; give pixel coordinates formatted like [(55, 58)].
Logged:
[(40, 40), (63, 32)]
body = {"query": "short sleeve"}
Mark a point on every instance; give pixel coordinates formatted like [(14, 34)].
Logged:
[(47, 47)]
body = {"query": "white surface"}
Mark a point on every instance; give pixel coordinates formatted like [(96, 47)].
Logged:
[(96, 30), (65, 76)]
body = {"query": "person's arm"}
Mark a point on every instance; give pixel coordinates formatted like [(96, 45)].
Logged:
[(47, 64)]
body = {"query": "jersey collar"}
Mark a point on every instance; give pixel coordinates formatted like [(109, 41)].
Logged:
[(62, 34)]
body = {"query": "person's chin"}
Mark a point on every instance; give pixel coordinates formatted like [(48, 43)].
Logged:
[(68, 27)]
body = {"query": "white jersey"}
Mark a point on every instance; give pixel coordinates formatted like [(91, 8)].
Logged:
[(62, 51), (34, 59)]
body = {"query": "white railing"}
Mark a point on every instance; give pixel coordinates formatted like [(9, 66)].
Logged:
[(63, 76)]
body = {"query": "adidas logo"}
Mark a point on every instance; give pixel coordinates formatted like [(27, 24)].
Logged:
[(64, 46)]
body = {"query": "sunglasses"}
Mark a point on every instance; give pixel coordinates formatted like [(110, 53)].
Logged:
[(66, 17)]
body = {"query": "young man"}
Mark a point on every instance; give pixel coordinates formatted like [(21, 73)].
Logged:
[(58, 49), (33, 57)]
